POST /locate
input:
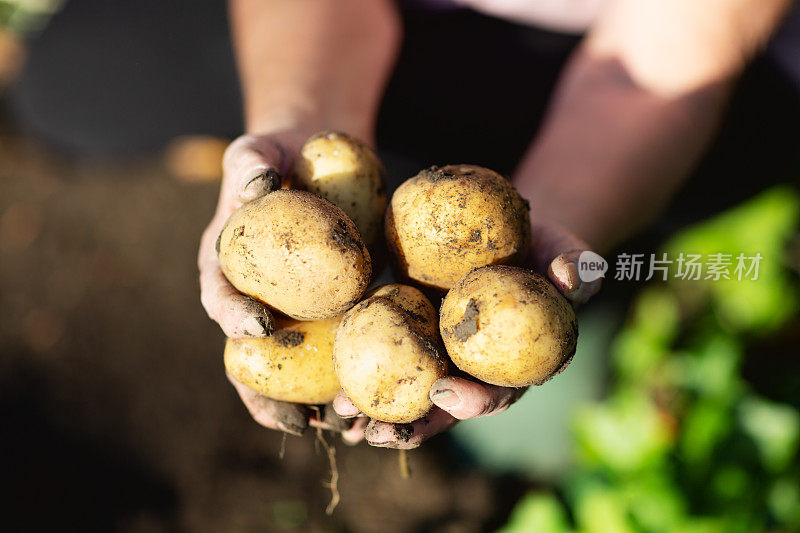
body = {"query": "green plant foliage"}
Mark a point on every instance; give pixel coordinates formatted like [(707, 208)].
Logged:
[(762, 226), (538, 512), (624, 434), (681, 444), (774, 428)]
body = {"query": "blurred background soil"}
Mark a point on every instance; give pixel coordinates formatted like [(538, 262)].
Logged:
[(116, 414), (116, 411)]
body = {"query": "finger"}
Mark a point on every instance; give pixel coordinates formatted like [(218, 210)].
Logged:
[(288, 417), (408, 436), (327, 419), (355, 434), (344, 407), (564, 272), (555, 252), (465, 399), (238, 315), (252, 168)]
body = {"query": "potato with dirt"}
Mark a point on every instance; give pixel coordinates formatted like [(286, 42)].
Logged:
[(508, 326), (294, 364), (296, 252), (346, 172), (445, 221), (387, 354)]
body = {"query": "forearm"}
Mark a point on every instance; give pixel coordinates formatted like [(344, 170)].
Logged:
[(611, 153), (314, 64), (635, 108)]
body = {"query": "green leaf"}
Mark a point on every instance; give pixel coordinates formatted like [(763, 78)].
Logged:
[(626, 433), (654, 502), (712, 368), (784, 501), (774, 428), (539, 512), (602, 510), (704, 426), (763, 225)]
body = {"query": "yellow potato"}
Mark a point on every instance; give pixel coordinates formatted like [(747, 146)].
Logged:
[(508, 326), (387, 355), (296, 252), (346, 172), (414, 303), (446, 221), (294, 364)]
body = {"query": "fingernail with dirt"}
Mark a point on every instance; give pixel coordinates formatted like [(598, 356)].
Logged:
[(403, 432), (445, 398), (372, 434), (266, 181), (573, 280), (256, 326)]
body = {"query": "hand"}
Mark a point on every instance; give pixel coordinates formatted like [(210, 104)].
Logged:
[(555, 251), (454, 399), (252, 167)]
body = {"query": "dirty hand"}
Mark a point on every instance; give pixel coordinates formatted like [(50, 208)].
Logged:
[(555, 252), (252, 167)]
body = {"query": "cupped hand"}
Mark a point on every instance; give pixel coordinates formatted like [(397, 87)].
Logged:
[(252, 167), (454, 399), (554, 252)]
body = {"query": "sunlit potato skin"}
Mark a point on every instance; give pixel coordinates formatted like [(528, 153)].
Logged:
[(445, 221), (387, 354), (346, 172), (296, 252), (508, 326), (294, 364)]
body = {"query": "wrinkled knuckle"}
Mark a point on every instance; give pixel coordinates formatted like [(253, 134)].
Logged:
[(233, 149), (487, 407)]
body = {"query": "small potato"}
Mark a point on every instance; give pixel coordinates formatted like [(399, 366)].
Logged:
[(346, 172), (296, 252), (387, 355), (294, 364), (508, 326), (446, 221)]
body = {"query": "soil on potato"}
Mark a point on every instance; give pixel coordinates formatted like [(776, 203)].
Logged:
[(116, 411)]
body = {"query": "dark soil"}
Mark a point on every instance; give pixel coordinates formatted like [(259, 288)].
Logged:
[(116, 411)]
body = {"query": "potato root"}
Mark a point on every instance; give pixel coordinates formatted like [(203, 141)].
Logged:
[(297, 253), (387, 354), (294, 364), (346, 172), (508, 326), (446, 221)]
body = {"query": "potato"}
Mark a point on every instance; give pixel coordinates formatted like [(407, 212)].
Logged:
[(508, 326), (297, 253), (387, 354), (294, 364), (446, 221), (346, 172)]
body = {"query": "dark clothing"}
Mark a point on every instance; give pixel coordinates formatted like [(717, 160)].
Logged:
[(110, 77)]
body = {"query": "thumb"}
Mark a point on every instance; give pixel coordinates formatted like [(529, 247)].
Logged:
[(252, 167), (555, 253)]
